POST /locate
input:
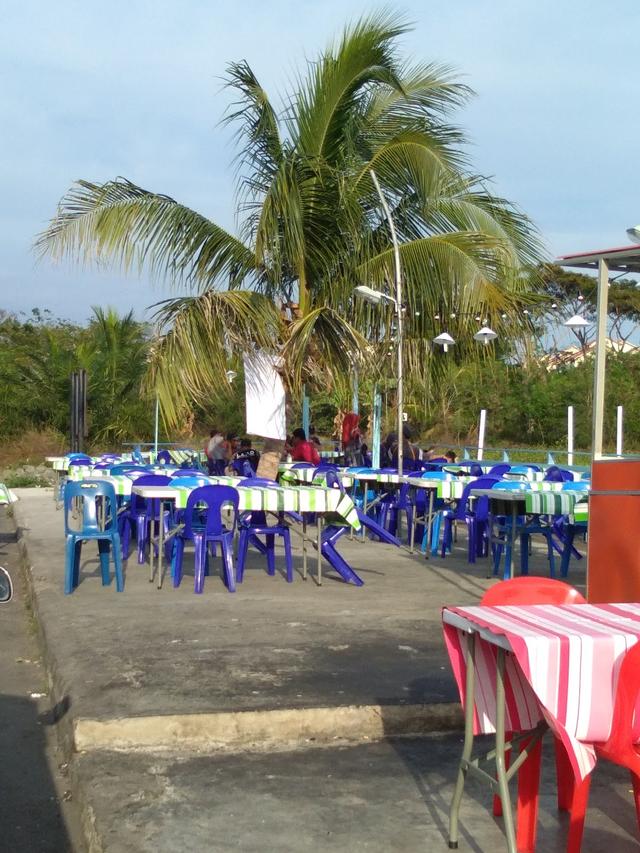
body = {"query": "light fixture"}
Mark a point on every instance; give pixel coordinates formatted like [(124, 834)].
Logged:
[(577, 322), (485, 335), (375, 297), (231, 375), (634, 234), (444, 340)]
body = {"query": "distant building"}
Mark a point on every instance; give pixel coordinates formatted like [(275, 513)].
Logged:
[(575, 354)]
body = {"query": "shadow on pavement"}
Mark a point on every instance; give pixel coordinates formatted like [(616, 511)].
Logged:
[(30, 816)]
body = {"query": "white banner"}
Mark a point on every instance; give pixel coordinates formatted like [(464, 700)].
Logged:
[(265, 397)]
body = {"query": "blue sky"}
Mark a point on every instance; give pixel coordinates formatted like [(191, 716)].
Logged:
[(94, 91)]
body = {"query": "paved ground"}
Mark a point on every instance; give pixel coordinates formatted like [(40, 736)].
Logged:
[(272, 650), (271, 645), (36, 815), (388, 797)]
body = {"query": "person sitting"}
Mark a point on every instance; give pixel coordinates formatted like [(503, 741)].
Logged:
[(451, 456), (246, 451), (303, 450)]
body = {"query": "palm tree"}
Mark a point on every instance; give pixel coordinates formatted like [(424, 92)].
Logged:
[(311, 227)]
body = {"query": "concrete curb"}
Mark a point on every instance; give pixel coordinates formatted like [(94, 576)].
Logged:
[(228, 731), (267, 730)]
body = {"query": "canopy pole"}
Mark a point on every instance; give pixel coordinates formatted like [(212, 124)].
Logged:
[(355, 405), (376, 422), (306, 415), (619, 425), (481, 432), (601, 357), (155, 434), (569, 435)]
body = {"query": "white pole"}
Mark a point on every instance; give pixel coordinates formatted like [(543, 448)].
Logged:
[(481, 431), (155, 438), (619, 431), (569, 435)]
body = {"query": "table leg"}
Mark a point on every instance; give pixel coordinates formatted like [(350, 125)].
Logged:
[(501, 768), (509, 551), (161, 544), (469, 707), (152, 534), (319, 531), (427, 552), (304, 547), (364, 507)]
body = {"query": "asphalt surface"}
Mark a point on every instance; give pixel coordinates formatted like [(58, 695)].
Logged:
[(37, 814)]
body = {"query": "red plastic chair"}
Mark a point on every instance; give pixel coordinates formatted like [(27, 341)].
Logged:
[(532, 590), (620, 748)]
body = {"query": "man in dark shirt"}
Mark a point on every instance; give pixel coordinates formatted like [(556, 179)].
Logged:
[(245, 451)]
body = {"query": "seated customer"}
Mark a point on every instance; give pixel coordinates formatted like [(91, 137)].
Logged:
[(302, 450), (246, 451)]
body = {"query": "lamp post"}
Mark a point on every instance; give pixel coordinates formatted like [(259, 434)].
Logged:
[(376, 297)]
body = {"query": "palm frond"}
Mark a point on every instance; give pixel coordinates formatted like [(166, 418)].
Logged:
[(128, 226)]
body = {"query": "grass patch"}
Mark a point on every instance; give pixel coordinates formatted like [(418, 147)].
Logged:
[(24, 481)]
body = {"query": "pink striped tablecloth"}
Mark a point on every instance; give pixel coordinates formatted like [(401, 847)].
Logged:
[(563, 669)]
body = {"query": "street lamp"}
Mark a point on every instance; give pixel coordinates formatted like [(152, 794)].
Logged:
[(485, 335), (444, 340), (376, 297)]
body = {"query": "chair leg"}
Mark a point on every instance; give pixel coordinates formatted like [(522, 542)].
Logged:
[(200, 546), (552, 559), (176, 562), (77, 553), (117, 563), (103, 551), (524, 553), (565, 777), (69, 564), (227, 562), (271, 554), (635, 781), (578, 812), (528, 787), (243, 546), (286, 541), (142, 525)]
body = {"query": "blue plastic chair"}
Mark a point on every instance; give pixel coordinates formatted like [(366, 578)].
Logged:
[(80, 461), (553, 474), (242, 467), (164, 458), (188, 472), (90, 492), (476, 520), (141, 514), (498, 470), (204, 527), (254, 524), (126, 467)]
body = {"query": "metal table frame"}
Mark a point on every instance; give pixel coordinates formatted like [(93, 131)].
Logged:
[(504, 771)]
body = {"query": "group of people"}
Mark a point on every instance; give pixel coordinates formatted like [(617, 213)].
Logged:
[(222, 451)]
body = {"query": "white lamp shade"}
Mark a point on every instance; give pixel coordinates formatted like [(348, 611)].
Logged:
[(634, 234), (444, 340), (231, 375), (577, 322), (368, 294), (485, 335)]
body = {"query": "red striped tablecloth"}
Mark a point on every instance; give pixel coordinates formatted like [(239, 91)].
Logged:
[(563, 669)]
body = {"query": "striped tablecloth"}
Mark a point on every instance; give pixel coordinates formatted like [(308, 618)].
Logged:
[(283, 499), (563, 668)]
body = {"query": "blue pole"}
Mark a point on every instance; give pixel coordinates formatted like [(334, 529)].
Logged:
[(355, 408), (305, 413), (376, 422)]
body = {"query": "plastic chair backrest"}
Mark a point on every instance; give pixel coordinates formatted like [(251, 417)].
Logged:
[(89, 491), (303, 465), (125, 467), (137, 501), (499, 470), (475, 470), (165, 457), (258, 482), (530, 590), (191, 482), (80, 460), (186, 472), (334, 481), (553, 474), (214, 498), (482, 503), (524, 469), (625, 723), (102, 465)]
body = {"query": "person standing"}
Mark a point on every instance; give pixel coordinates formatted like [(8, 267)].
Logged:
[(215, 451)]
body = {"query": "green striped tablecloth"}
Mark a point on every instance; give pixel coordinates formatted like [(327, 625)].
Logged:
[(557, 503), (281, 499)]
